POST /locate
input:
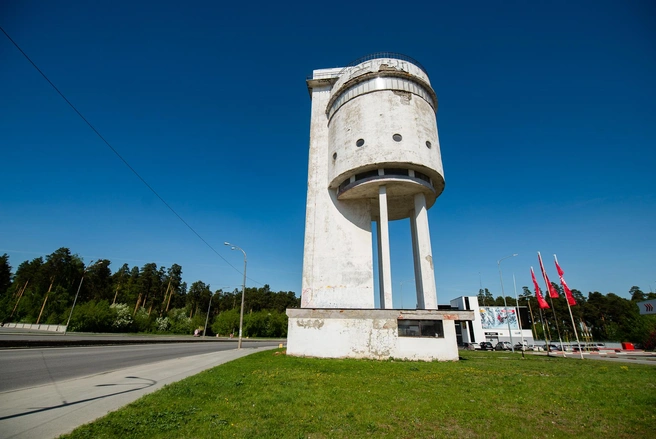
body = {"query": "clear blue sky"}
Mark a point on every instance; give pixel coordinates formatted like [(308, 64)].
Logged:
[(546, 118)]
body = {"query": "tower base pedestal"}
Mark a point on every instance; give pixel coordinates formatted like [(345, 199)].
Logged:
[(378, 334)]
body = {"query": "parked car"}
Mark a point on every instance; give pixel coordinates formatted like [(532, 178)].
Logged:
[(590, 346), (521, 347), (536, 348), (486, 346), (503, 346), (469, 346)]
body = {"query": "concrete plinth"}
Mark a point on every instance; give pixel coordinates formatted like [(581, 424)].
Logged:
[(372, 333)]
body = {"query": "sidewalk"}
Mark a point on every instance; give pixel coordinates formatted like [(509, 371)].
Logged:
[(615, 355), (51, 410)]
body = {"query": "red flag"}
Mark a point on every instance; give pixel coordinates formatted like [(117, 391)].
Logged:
[(552, 291), (568, 292), (543, 303)]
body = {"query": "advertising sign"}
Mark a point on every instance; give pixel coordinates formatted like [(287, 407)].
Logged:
[(498, 317)]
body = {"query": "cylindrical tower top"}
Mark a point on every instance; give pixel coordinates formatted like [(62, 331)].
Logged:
[(378, 72), (387, 55), (383, 131)]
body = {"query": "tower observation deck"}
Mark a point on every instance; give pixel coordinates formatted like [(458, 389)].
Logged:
[(374, 157)]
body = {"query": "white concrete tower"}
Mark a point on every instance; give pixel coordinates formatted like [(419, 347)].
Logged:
[(374, 157)]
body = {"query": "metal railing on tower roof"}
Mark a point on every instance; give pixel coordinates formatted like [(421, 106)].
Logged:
[(393, 55), (378, 55)]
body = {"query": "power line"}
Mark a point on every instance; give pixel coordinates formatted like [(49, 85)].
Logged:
[(119, 155)]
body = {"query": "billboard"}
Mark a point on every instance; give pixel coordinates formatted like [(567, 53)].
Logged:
[(498, 317)]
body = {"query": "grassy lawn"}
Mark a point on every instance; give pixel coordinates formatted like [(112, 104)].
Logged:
[(486, 395)]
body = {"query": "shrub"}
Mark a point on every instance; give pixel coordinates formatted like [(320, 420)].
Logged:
[(123, 320), (93, 316), (162, 324), (266, 323), (142, 321), (180, 322), (226, 322)]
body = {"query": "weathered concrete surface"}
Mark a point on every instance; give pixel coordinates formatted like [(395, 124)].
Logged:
[(423, 256), (374, 156), (376, 117), (369, 333), (337, 259)]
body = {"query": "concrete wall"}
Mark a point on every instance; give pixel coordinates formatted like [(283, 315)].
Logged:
[(375, 118), (373, 334), (390, 65), (337, 258), (460, 303), (40, 327)]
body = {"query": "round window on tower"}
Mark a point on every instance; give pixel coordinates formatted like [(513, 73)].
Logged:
[(359, 142), (334, 156), (397, 137), (428, 144)]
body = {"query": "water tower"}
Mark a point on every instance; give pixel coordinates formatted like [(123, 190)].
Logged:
[(374, 158)]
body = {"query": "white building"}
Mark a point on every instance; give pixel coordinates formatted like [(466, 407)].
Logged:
[(374, 157), (492, 323)]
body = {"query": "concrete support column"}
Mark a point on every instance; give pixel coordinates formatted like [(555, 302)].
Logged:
[(384, 261), (415, 259), (421, 248)]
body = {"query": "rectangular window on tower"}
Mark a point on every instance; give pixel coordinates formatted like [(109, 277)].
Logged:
[(421, 328)]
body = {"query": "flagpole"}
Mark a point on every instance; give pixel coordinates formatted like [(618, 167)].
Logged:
[(560, 340), (530, 310), (512, 346), (544, 333), (576, 334), (546, 281), (542, 304), (519, 319)]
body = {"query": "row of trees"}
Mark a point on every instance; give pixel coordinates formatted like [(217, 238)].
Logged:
[(156, 299), (602, 317), (132, 299)]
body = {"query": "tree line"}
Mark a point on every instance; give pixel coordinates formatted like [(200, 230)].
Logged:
[(132, 299), (599, 317), (156, 299)]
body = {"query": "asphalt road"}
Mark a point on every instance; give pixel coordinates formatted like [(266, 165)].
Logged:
[(48, 410), (25, 368)]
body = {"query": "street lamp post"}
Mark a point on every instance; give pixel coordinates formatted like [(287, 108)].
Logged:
[(243, 293), (505, 303), (77, 294), (208, 316)]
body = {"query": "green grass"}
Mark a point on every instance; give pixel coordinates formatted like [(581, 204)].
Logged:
[(486, 395)]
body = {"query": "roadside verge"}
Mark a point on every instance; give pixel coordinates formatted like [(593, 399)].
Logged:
[(51, 410)]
